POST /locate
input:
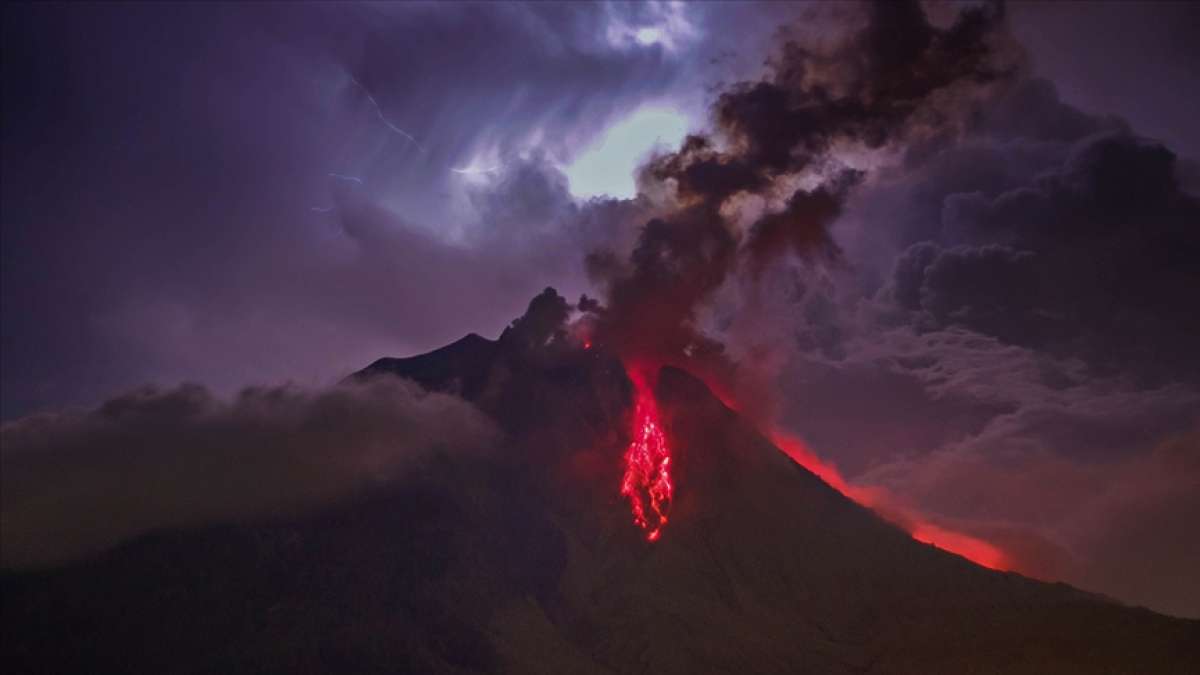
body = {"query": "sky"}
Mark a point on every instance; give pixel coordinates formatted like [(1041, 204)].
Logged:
[(998, 328)]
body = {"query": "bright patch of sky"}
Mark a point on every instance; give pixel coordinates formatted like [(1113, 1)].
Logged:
[(607, 166), (656, 23)]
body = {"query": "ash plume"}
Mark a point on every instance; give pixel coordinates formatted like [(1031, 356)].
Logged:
[(780, 140)]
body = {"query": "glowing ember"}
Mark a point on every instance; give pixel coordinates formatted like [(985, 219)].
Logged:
[(647, 480)]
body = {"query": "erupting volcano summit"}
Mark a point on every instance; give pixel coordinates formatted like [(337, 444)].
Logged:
[(523, 559)]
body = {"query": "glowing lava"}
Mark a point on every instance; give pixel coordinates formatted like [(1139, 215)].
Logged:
[(647, 480), (894, 509)]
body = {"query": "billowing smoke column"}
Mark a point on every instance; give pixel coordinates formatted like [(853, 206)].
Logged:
[(782, 140), (894, 80), (647, 480)]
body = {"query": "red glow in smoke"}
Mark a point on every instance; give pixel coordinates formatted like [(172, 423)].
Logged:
[(893, 509), (647, 480)]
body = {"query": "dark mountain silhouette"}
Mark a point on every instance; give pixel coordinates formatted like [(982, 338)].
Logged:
[(526, 561)]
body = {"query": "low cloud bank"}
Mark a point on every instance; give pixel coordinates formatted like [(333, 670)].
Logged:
[(77, 483)]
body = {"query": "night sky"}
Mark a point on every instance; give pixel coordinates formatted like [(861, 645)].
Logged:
[(990, 314)]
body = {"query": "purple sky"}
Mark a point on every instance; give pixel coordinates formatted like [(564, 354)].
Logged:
[(252, 194)]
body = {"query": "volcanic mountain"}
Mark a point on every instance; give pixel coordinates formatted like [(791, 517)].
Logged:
[(526, 560)]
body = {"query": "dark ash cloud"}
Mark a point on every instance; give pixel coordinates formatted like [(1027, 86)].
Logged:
[(1094, 258), (882, 81), (76, 483)]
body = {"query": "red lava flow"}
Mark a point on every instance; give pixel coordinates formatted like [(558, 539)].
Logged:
[(648, 486), (647, 480)]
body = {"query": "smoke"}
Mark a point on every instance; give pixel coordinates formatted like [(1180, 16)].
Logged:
[(786, 154), (785, 144), (76, 483)]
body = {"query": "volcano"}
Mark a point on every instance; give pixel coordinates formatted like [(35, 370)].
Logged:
[(528, 560)]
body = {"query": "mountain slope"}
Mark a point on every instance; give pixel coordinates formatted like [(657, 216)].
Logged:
[(526, 561)]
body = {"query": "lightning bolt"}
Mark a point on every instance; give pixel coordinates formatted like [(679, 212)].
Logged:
[(383, 118), (338, 176), (471, 171)]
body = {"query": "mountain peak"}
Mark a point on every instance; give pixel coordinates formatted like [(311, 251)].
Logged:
[(526, 560)]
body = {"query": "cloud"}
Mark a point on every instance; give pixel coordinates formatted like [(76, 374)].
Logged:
[(1072, 475), (1106, 244), (1120, 526), (227, 274), (76, 483)]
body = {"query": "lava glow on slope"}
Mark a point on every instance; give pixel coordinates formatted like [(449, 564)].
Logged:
[(893, 509), (647, 479)]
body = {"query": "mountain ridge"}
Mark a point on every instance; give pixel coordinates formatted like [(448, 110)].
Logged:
[(526, 561)]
